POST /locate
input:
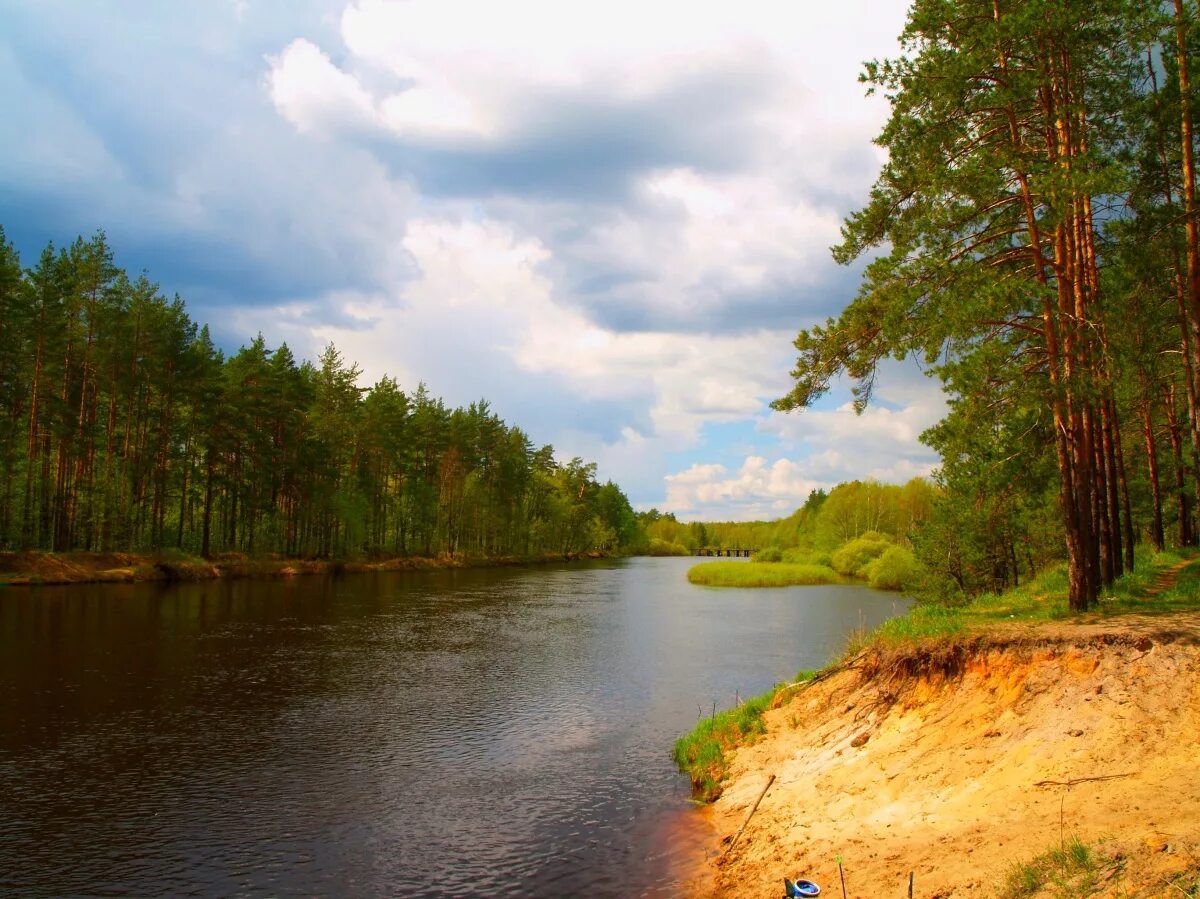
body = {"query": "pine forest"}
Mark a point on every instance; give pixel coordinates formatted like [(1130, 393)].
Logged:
[(124, 428), (1032, 239)]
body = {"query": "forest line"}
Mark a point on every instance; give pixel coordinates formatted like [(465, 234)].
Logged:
[(124, 428)]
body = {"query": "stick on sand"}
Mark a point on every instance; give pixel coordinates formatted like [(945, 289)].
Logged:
[(738, 835)]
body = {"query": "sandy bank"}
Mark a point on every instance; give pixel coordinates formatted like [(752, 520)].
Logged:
[(958, 761)]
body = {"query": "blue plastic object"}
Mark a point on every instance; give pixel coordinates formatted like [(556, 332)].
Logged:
[(805, 888)]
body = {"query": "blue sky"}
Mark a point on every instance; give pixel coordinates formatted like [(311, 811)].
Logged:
[(607, 219)]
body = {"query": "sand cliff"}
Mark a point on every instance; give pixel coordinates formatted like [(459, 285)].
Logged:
[(959, 760)]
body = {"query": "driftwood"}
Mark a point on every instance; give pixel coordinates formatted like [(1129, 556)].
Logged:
[(738, 835)]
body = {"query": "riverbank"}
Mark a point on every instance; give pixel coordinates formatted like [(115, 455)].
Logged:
[(19, 569), (992, 751)]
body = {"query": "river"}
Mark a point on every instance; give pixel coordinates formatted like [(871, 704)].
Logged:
[(492, 732)]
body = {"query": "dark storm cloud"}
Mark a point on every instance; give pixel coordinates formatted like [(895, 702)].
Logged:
[(150, 122), (583, 147), (788, 305)]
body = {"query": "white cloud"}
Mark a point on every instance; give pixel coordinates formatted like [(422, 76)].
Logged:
[(700, 239), (781, 94), (314, 94), (609, 220), (481, 297), (757, 490), (494, 56)]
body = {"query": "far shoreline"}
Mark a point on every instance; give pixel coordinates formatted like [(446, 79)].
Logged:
[(35, 568)]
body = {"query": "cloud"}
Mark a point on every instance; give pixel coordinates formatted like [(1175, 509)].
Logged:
[(758, 490), (481, 295), (687, 167), (819, 448), (608, 221), (313, 94)]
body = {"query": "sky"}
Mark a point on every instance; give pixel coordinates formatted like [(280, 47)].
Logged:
[(607, 219)]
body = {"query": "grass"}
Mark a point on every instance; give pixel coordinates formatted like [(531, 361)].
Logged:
[(702, 754), (1154, 586), (1068, 871), (762, 574), (1186, 885), (1075, 870), (1045, 599)]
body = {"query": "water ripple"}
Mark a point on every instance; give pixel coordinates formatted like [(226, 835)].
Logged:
[(418, 735)]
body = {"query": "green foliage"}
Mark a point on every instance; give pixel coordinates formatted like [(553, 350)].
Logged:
[(816, 529), (660, 547), (808, 547), (808, 557), (701, 754), (853, 558), (1067, 871), (761, 574), (896, 569), (149, 438)]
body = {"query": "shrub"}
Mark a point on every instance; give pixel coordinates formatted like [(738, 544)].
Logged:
[(660, 547), (896, 569), (853, 557), (769, 554)]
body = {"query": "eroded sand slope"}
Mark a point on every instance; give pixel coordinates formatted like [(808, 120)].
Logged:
[(936, 762)]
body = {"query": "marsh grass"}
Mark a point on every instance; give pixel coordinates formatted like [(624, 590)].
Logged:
[(762, 574)]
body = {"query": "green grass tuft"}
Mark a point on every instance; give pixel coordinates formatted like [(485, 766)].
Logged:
[(1070, 870), (702, 753), (1149, 589), (1186, 885), (761, 574)]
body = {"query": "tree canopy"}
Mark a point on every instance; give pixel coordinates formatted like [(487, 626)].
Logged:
[(123, 427), (1033, 238)]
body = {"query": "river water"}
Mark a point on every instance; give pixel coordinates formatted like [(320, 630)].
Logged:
[(499, 732)]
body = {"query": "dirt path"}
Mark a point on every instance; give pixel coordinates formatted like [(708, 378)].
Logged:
[(959, 764)]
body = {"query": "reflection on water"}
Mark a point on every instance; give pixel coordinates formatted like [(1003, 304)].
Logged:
[(402, 734)]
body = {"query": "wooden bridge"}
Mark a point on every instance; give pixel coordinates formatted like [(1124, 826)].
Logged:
[(730, 553)]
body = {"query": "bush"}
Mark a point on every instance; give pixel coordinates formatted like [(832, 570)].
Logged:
[(769, 554), (853, 558), (660, 547), (896, 569)]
